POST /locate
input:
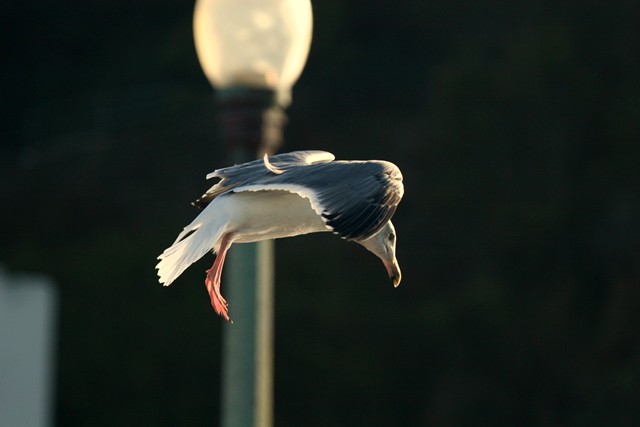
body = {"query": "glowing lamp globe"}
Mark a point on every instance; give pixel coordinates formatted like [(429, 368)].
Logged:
[(259, 44)]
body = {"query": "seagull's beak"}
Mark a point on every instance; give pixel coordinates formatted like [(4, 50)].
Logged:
[(394, 272)]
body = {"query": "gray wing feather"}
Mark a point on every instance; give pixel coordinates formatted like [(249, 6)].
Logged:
[(251, 172), (358, 206), (356, 199)]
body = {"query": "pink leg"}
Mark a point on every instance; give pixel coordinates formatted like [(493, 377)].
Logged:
[(214, 274)]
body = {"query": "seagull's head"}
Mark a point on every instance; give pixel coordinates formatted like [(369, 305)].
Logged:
[(383, 245)]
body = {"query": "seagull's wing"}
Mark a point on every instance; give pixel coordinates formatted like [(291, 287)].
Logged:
[(251, 172), (354, 198), (363, 199)]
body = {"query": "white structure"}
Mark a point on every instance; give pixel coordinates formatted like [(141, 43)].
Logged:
[(27, 328)]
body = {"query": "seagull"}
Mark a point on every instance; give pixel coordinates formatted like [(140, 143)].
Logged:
[(287, 195)]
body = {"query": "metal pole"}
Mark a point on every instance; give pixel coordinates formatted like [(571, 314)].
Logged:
[(248, 343), (251, 124)]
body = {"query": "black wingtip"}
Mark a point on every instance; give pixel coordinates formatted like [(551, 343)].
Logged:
[(200, 203)]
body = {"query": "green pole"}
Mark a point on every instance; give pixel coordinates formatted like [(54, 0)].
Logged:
[(251, 125), (248, 343)]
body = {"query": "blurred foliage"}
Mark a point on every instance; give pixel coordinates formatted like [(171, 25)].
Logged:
[(516, 126)]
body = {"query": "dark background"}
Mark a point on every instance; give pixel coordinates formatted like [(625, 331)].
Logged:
[(516, 125)]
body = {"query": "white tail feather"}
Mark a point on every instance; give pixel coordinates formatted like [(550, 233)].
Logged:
[(187, 250)]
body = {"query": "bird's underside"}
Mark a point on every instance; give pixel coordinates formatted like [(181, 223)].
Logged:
[(262, 215)]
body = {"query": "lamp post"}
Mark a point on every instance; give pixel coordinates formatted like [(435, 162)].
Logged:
[(252, 52)]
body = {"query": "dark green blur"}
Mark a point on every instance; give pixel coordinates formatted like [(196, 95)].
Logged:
[(516, 126)]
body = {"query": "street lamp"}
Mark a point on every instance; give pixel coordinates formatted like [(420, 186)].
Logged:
[(252, 52), (256, 43)]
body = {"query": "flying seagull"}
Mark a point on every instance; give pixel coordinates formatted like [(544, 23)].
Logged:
[(287, 195)]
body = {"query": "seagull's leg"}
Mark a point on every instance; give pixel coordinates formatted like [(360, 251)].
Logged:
[(214, 274)]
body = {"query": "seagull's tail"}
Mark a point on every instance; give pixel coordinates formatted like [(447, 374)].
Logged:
[(192, 244)]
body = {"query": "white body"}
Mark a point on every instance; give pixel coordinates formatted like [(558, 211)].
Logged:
[(248, 216), (272, 214)]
